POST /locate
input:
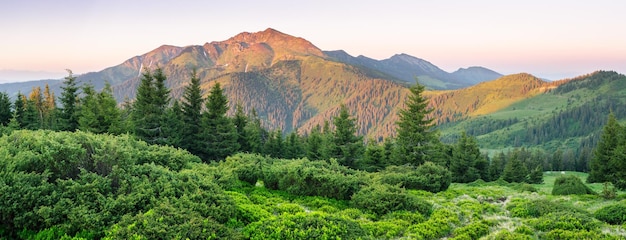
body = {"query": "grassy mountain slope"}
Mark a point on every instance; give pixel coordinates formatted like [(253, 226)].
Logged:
[(570, 115)]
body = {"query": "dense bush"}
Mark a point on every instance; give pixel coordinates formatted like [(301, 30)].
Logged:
[(474, 230), (428, 176), (536, 208), (440, 224), (612, 214), (313, 178), (565, 221), (314, 225), (381, 199), (570, 184)]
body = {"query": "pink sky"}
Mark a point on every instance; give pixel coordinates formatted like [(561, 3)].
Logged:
[(554, 40)]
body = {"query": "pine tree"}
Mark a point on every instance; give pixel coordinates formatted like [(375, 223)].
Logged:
[(416, 141), (275, 144), (314, 144), (347, 145), (240, 120), (151, 102), (88, 115), (68, 114), (36, 98), (373, 159), (30, 117), (257, 135), (536, 175), (496, 167), (219, 133), (19, 109), (110, 114), (464, 156), (609, 140), (515, 171), (192, 116), (5, 109), (174, 125), (294, 148)]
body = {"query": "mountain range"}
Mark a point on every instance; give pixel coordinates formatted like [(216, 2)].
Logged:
[(292, 85)]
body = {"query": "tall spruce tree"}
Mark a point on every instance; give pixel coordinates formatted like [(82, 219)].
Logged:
[(314, 144), (192, 116), (219, 133), (5, 109), (149, 108), (609, 140), (68, 114), (465, 155), (347, 145), (241, 122), (256, 133), (416, 141), (174, 125), (19, 108)]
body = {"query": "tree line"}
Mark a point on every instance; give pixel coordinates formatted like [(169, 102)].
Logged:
[(202, 126)]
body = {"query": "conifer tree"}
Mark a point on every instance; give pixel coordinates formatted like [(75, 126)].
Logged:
[(219, 133), (174, 125), (314, 144), (496, 167), (515, 171), (99, 112), (192, 115), (609, 141), (256, 133), (464, 156), (5, 109), (347, 145), (19, 108), (30, 118), (149, 108), (111, 115), (88, 115), (68, 114), (240, 120), (294, 147), (49, 108), (275, 144), (36, 98), (416, 141), (373, 159)]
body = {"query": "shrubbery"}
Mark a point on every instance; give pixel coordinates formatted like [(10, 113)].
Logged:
[(428, 176), (612, 214), (304, 226), (381, 199), (570, 184)]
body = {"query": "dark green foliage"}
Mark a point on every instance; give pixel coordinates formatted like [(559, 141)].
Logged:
[(294, 146), (428, 176), (570, 184), (515, 171), (315, 144), (416, 141), (609, 140), (312, 178), (535, 176), (5, 109), (240, 120), (69, 112), (612, 214), (608, 191), (99, 112), (305, 226), (536, 208), (465, 156), (174, 125), (192, 116), (373, 159), (347, 146), (218, 131), (150, 104), (381, 199)]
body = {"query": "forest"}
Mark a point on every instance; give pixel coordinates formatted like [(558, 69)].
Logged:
[(157, 168)]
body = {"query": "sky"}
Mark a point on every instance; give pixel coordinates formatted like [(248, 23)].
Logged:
[(549, 39)]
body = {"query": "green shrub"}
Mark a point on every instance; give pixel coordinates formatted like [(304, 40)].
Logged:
[(314, 225), (536, 208), (570, 184), (428, 176), (558, 234), (474, 230), (612, 214), (440, 224), (506, 235), (381, 199), (608, 191), (564, 221), (386, 229)]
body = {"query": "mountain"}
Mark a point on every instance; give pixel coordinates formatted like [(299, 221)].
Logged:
[(406, 68), (25, 87), (293, 85), (567, 114)]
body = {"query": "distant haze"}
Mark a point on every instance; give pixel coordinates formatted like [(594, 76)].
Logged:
[(7, 76)]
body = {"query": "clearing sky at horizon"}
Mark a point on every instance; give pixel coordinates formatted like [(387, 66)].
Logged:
[(549, 39)]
